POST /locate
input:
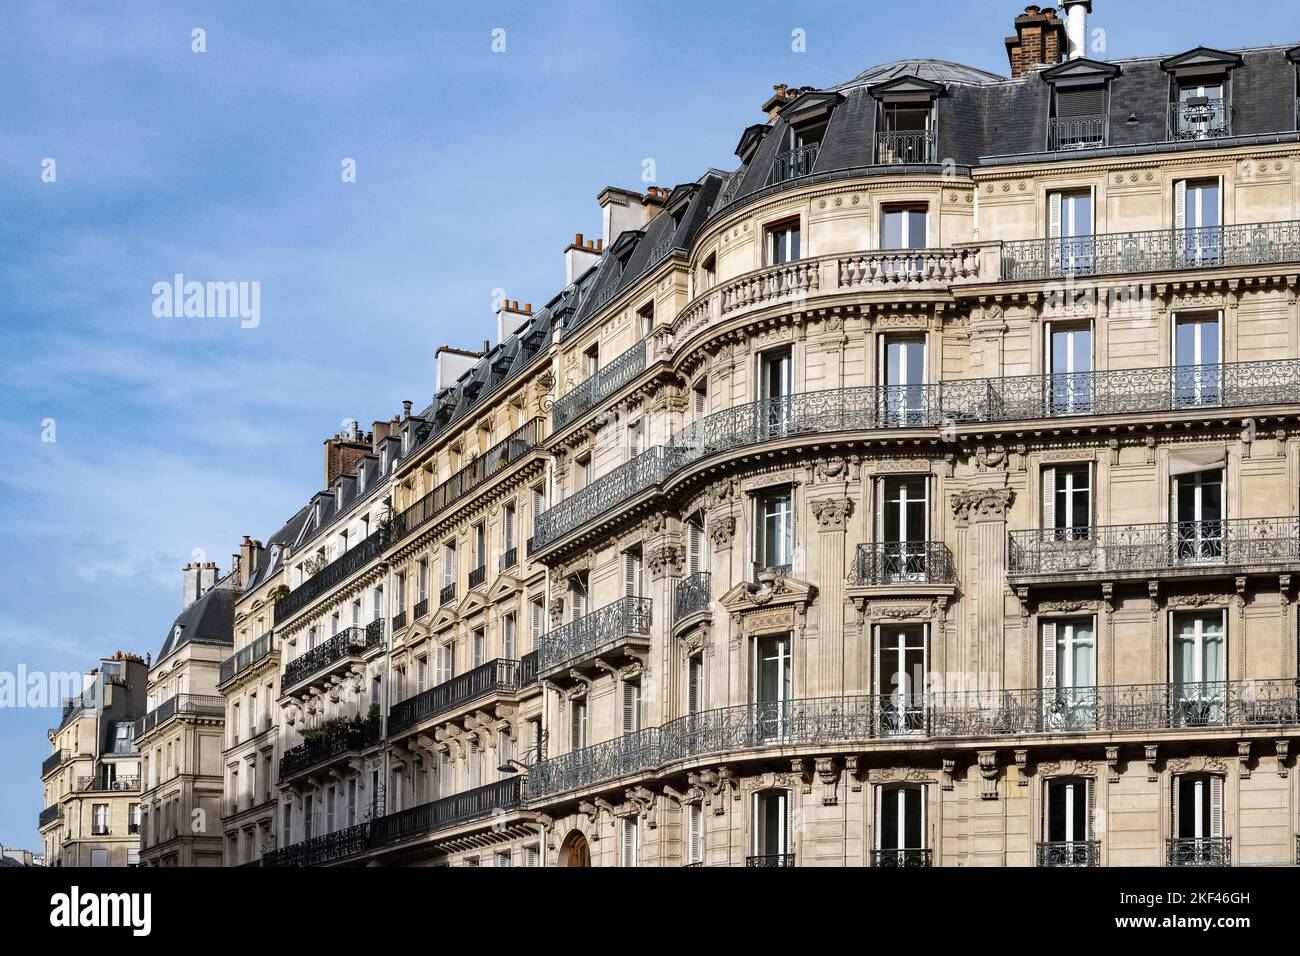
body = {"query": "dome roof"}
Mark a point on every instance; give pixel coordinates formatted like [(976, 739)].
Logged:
[(937, 71)]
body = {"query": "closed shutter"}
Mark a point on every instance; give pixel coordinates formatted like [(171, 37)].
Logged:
[(695, 672), (1049, 502), (508, 637), (576, 719), (1085, 102), (1054, 203), (1180, 204), (631, 574), (693, 536), (696, 844), (479, 642), (444, 774), (475, 765), (531, 855), (1216, 806), (1049, 655), (875, 827), (631, 707), (880, 509), (1092, 807), (629, 841)]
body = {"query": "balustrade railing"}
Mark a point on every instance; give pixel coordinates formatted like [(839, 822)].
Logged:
[(1077, 132), (259, 650), (902, 562), (801, 277), (1200, 118), (691, 596), (1069, 853), (883, 269), (905, 859), (599, 386), (477, 804), (570, 642), (1115, 549), (205, 704), (349, 642), (347, 736), (1162, 250), (509, 558), (1199, 851), (896, 147), (793, 163), (1136, 708), (498, 676), (326, 848)]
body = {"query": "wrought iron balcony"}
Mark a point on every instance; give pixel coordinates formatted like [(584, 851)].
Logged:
[(258, 651), (461, 808), (1198, 851), (897, 147), (346, 565), (1135, 708), (209, 705), (628, 480), (344, 737), (528, 669), (609, 626), (1200, 118), (51, 814), (494, 677), (1144, 548), (598, 387), (399, 621), (477, 577), (485, 467), (94, 784), (348, 643), (793, 163), (421, 609), (1162, 250), (447, 594), (1071, 853), (770, 859), (52, 762), (691, 595), (902, 859), (902, 562), (319, 850), (509, 558), (1077, 132)]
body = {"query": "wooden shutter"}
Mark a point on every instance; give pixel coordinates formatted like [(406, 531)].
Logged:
[(695, 668), (631, 574), (1049, 502), (1216, 806), (539, 617), (1091, 793), (880, 509), (875, 836), (575, 725), (693, 536), (1054, 203), (1180, 204), (478, 647), (696, 827), (629, 841), (530, 856), (508, 637), (631, 707), (475, 765), (1049, 655)]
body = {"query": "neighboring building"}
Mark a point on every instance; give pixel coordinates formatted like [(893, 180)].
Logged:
[(12, 857), (92, 776), (180, 738), (923, 492)]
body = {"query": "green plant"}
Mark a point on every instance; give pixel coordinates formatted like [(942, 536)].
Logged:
[(279, 592)]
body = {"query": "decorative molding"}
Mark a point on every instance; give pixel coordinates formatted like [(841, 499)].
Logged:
[(832, 514), (988, 504)]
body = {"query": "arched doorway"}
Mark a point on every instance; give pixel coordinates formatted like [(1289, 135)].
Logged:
[(575, 851)]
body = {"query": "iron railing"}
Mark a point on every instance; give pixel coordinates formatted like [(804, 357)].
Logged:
[(326, 848), (341, 738), (421, 608), (498, 676), (528, 669), (1077, 132), (205, 704), (770, 860), (903, 859), (691, 596), (613, 622), (1200, 118), (259, 650), (331, 575), (1136, 708), (896, 147), (509, 558), (448, 593), (902, 562), (1069, 853), (479, 803), (1160, 250), (624, 482), (1115, 549), (453, 491), (52, 762), (793, 163), (95, 784), (477, 576), (49, 815), (399, 621), (598, 386), (1198, 851), (350, 642)]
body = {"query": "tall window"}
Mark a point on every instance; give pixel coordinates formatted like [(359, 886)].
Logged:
[(1069, 671), (774, 531), (902, 375), (696, 552), (422, 580), (900, 678), (446, 661), (509, 527), (902, 527), (775, 388), (1198, 218), (782, 242), (448, 564), (578, 596), (1198, 353), (695, 833), (694, 683), (645, 318), (1198, 664), (631, 841), (509, 648), (1201, 111), (1067, 808), (480, 646), (773, 683), (1067, 501), (631, 707), (480, 545), (1070, 229), (1198, 500), (771, 826), (577, 724), (633, 573), (1069, 365), (1198, 806), (537, 611), (904, 226), (635, 437), (900, 821)]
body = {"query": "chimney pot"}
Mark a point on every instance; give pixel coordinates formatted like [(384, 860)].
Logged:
[(577, 239), (406, 408)]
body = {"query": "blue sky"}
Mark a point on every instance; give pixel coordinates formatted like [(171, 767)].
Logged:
[(474, 169)]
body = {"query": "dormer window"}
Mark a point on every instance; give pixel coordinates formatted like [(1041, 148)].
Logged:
[(1080, 104), (808, 117), (406, 441), (383, 459), (1200, 94), (906, 120)]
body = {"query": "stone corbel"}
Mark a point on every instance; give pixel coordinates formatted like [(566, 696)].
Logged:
[(1243, 759), (948, 766), (802, 768), (988, 762), (1284, 588), (585, 683), (1022, 767), (606, 666), (1151, 754), (1280, 747), (609, 808), (727, 782), (722, 529), (592, 812), (1240, 583), (644, 800), (828, 769), (1112, 765), (857, 772)]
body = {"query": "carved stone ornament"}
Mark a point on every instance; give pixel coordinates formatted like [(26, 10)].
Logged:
[(722, 529), (832, 514), (988, 763), (988, 504), (666, 559)]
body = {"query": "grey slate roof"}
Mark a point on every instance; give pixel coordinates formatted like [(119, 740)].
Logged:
[(210, 620)]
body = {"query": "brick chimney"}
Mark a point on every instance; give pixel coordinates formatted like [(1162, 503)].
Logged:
[(782, 94), (1040, 40), (252, 557), (343, 451)]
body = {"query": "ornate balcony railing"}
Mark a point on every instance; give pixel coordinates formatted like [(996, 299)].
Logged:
[(477, 577), (770, 859), (203, 704), (528, 669), (772, 284), (259, 650), (94, 784), (902, 859), (319, 850), (1162, 250), (1199, 851), (1069, 853), (902, 562), (642, 472), (509, 558), (613, 622), (498, 676), (1200, 118), (905, 146), (52, 762), (1077, 132), (350, 642), (333, 574), (452, 491), (793, 163), (598, 387), (1136, 708), (447, 594), (421, 608), (883, 269), (1116, 549), (341, 738), (49, 815), (691, 595), (478, 804), (399, 621)]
